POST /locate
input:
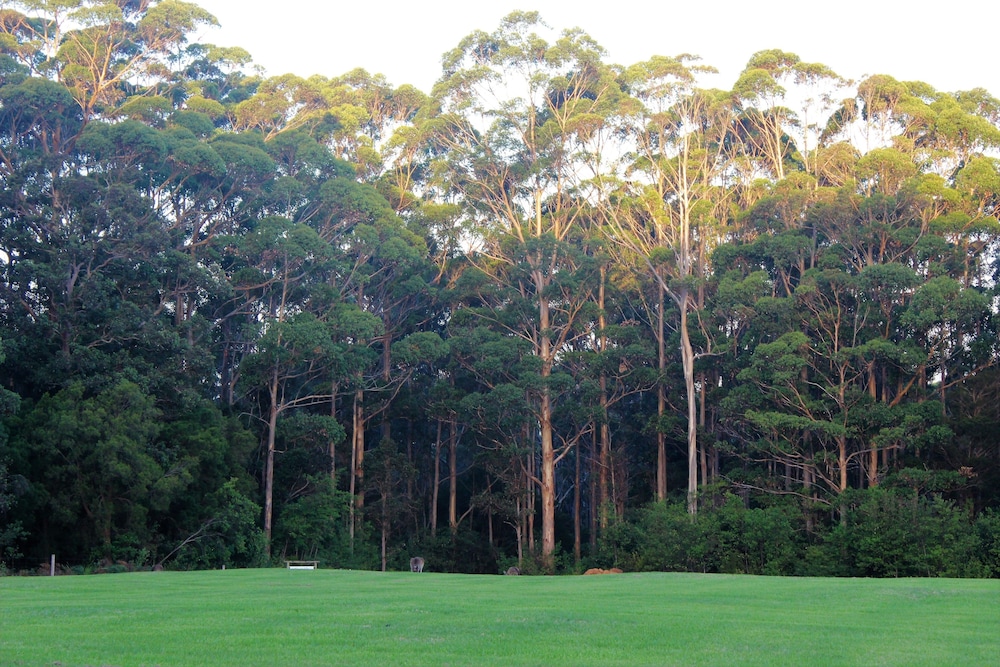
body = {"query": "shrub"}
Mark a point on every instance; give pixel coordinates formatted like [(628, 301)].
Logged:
[(729, 538), (897, 533), (987, 529), (313, 525), (230, 537)]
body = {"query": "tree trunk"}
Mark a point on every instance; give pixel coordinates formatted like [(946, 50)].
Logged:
[(357, 489), (332, 444), (687, 360), (437, 480), (359, 444), (548, 471), (661, 401), (605, 432), (386, 378), (605, 461), (272, 426), (548, 487), (453, 476), (873, 455), (842, 461), (576, 509), (529, 489), (593, 495)]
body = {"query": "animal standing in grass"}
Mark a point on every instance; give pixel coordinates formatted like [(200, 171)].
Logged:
[(513, 570), (416, 564)]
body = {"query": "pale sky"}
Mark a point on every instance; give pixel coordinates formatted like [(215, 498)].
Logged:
[(948, 45)]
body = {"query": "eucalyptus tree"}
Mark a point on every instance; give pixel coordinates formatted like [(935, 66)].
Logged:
[(288, 366), (89, 257), (369, 112), (772, 135), (517, 115), (214, 78), (880, 316), (381, 269), (98, 49), (491, 383), (669, 210), (942, 131)]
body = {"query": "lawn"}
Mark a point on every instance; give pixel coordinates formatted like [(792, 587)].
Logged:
[(276, 617)]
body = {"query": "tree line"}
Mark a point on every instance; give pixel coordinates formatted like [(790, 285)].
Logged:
[(555, 311)]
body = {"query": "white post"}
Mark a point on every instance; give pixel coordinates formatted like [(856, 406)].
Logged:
[(52, 566)]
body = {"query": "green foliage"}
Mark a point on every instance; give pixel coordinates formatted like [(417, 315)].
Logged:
[(881, 533), (230, 537), (313, 526), (897, 533), (12, 487), (727, 538), (97, 467), (988, 554)]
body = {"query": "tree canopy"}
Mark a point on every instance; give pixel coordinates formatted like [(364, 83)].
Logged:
[(579, 312)]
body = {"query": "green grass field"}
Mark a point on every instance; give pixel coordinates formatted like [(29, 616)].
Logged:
[(334, 617)]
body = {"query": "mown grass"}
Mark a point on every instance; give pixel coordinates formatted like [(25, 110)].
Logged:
[(276, 617)]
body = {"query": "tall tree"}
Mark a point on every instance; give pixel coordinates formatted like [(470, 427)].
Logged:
[(98, 49), (669, 209), (290, 363), (518, 115)]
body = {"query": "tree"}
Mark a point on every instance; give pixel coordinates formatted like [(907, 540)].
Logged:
[(97, 49), (516, 162), (666, 214), (96, 469), (292, 359), (772, 135)]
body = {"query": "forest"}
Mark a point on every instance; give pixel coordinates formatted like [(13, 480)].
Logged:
[(556, 312)]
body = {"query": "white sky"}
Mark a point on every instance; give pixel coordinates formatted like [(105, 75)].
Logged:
[(948, 45)]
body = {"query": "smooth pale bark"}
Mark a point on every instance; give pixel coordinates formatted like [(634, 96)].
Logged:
[(661, 399), (687, 362), (576, 508), (272, 427), (548, 471), (604, 430)]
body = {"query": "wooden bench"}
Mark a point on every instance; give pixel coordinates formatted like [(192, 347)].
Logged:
[(302, 564)]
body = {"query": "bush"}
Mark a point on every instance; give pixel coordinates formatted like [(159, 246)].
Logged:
[(757, 540), (897, 533), (231, 537), (987, 529), (730, 538), (313, 526)]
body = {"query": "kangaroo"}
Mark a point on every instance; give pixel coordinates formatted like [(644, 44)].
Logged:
[(416, 564), (513, 570)]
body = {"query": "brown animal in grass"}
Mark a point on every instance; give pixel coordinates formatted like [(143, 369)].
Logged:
[(416, 564), (597, 570)]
